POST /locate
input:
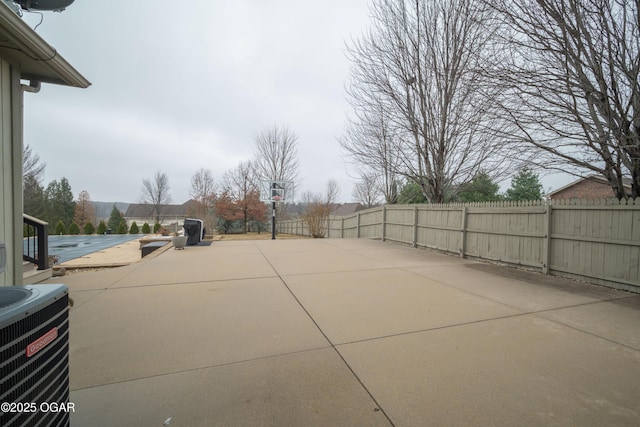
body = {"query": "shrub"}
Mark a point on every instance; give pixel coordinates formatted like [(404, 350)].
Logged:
[(61, 228), (145, 228), (315, 216), (89, 228), (134, 228), (74, 229), (122, 228), (102, 227), (156, 227)]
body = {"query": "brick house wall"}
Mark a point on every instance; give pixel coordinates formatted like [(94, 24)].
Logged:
[(588, 188)]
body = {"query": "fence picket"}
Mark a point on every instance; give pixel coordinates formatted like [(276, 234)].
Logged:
[(594, 240)]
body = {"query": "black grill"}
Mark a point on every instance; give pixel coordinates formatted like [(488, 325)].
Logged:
[(34, 378)]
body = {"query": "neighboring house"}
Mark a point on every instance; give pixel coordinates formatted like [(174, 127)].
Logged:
[(171, 216), (347, 209), (590, 187), (24, 57), (103, 209), (296, 210)]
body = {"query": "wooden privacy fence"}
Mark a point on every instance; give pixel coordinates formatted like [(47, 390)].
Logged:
[(597, 241)]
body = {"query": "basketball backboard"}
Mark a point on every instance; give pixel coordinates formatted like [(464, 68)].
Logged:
[(275, 191)]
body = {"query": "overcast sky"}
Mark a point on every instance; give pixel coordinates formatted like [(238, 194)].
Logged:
[(178, 86)]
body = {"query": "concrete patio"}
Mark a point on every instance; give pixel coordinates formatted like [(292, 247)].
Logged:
[(346, 332)]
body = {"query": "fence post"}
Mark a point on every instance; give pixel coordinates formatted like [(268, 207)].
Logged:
[(463, 238), (415, 226), (342, 228), (358, 228), (384, 223), (328, 226), (546, 248)]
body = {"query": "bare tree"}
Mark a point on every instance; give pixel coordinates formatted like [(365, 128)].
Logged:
[(367, 190), (32, 189), (31, 165), (203, 191), (203, 186), (84, 210), (424, 65), (572, 70), (276, 154), (318, 208), (156, 192), (370, 142), (276, 159)]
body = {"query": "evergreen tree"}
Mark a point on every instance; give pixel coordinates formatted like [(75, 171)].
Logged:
[(89, 229), (411, 193), (480, 189), (60, 228), (102, 227), (122, 227), (134, 228), (59, 202), (33, 196), (74, 229), (145, 228), (524, 186), (115, 219), (156, 227)]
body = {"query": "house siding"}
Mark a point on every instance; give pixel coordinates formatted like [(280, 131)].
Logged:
[(23, 55), (11, 173), (171, 216)]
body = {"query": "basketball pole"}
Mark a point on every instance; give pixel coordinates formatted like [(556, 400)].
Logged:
[(273, 220), (273, 214)]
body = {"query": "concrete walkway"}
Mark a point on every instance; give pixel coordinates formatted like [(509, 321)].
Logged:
[(346, 333)]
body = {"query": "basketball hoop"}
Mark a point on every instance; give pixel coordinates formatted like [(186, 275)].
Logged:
[(276, 191)]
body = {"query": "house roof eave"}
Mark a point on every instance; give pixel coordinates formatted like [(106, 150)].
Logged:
[(36, 59)]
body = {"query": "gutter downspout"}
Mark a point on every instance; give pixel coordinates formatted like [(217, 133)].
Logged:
[(33, 86)]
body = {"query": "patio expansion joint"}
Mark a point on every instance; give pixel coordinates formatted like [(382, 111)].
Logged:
[(200, 368), (357, 270), (537, 312), (195, 282), (332, 345), (584, 331)]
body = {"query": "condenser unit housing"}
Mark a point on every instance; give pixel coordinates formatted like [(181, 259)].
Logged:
[(34, 355)]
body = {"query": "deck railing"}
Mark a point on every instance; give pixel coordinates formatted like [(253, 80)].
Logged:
[(36, 241)]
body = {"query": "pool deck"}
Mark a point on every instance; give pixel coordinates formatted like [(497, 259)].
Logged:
[(116, 256), (346, 332)]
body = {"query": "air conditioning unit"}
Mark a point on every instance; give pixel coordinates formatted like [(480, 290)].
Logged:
[(34, 355)]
